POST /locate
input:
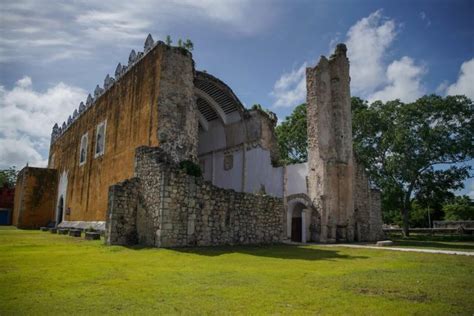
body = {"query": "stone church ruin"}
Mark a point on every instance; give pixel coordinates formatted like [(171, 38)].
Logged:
[(128, 160)]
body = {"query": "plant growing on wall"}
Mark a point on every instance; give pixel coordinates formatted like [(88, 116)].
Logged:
[(190, 168)]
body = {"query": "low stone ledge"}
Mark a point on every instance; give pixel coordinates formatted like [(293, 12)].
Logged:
[(92, 236), (63, 231), (53, 230), (44, 229), (95, 225), (384, 243), (75, 233)]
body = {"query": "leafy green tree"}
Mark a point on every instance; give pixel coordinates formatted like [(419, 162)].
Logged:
[(410, 147), (460, 209), (292, 136), (8, 177)]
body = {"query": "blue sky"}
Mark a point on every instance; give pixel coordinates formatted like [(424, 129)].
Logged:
[(52, 53)]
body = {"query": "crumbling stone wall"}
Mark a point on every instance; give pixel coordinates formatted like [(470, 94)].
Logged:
[(122, 211), (376, 221), (330, 162), (166, 207), (367, 208), (177, 110), (337, 185)]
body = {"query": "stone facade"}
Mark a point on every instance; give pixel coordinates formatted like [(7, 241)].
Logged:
[(367, 208), (178, 115), (116, 162), (337, 185), (165, 207), (330, 161)]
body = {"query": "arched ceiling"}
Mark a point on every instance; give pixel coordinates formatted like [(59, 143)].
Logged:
[(214, 98)]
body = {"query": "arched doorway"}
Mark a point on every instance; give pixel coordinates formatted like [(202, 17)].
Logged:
[(302, 219), (60, 211), (297, 223)]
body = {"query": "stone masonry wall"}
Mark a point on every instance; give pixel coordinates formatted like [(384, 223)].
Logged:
[(375, 220), (122, 212), (173, 209), (177, 110), (367, 206), (330, 162)]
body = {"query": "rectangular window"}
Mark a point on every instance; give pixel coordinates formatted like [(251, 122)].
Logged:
[(83, 150), (228, 162), (100, 139)]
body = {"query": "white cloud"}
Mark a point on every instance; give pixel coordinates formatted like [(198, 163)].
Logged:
[(27, 119), (42, 30), (290, 89), (368, 41), (404, 82), (465, 82)]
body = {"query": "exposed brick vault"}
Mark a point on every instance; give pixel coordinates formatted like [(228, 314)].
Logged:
[(117, 164)]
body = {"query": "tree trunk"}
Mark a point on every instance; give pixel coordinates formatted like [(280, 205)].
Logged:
[(406, 211), (406, 222)]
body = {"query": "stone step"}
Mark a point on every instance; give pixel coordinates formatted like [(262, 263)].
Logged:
[(384, 243), (92, 236), (63, 231), (75, 233)]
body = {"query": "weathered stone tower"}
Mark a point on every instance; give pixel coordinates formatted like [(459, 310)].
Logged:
[(330, 158)]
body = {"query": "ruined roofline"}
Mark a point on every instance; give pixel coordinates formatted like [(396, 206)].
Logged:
[(202, 75), (133, 59), (340, 50)]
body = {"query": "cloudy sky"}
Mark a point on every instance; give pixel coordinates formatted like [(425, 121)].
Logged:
[(52, 53)]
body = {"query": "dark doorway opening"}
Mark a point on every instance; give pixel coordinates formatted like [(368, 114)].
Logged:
[(59, 217), (297, 222), (296, 226)]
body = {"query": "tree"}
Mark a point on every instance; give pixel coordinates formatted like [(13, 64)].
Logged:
[(168, 40), (408, 148), (292, 136), (8, 177), (460, 209)]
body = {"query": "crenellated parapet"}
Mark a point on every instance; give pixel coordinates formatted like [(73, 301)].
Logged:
[(109, 82)]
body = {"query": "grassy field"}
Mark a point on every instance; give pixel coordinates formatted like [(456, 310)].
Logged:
[(455, 243), (42, 273)]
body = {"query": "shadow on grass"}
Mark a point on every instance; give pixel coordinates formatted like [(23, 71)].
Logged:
[(270, 251)]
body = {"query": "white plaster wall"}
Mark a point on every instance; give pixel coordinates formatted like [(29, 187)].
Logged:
[(228, 179), (212, 139), (207, 172), (296, 178), (62, 189), (261, 172)]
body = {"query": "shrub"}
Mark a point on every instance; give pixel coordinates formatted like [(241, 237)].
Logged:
[(191, 168)]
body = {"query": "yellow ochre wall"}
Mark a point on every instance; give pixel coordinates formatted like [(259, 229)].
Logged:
[(35, 196), (130, 109)]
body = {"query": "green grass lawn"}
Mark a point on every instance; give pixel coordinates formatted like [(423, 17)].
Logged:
[(455, 243), (42, 273)]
